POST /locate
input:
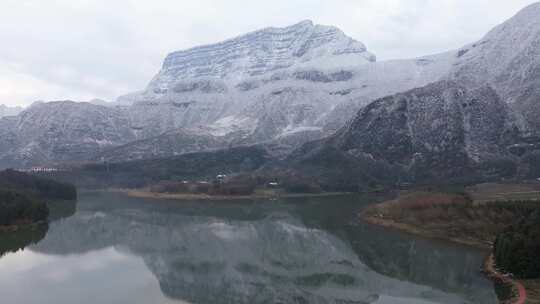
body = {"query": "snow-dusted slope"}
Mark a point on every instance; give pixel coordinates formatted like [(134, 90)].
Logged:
[(62, 131), (481, 122), (507, 56), (508, 59)]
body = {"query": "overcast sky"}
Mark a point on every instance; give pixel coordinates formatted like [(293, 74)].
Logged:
[(85, 49)]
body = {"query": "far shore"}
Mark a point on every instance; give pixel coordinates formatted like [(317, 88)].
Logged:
[(189, 196)]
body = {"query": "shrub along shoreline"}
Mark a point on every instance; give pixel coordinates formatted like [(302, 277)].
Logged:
[(23, 198), (18, 209)]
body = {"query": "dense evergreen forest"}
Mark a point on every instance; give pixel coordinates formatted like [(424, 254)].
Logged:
[(517, 250), (16, 208), (38, 187), (23, 197)]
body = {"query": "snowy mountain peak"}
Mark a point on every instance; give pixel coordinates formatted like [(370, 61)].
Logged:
[(263, 51), (302, 24)]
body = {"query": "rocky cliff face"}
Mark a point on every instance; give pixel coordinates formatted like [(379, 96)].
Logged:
[(261, 52)]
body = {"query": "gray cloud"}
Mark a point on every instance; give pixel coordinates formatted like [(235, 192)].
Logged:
[(84, 49)]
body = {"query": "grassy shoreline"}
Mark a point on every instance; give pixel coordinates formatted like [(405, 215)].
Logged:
[(444, 216), (414, 230)]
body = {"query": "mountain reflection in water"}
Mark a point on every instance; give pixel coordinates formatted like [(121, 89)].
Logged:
[(293, 251)]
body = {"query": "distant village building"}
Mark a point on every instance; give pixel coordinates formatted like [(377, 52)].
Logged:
[(43, 169), (220, 178), (273, 184)]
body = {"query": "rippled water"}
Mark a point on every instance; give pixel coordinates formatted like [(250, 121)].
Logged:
[(115, 249)]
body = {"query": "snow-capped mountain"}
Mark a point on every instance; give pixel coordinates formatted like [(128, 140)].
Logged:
[(282, 86), (275, 82)]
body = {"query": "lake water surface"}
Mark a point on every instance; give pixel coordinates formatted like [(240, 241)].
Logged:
[(110, 248)]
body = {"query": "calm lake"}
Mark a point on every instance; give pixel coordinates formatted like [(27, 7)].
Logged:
[(109, 248)]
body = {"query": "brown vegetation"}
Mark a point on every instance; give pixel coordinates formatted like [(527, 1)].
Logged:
[(467, 218), (443, 215)]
